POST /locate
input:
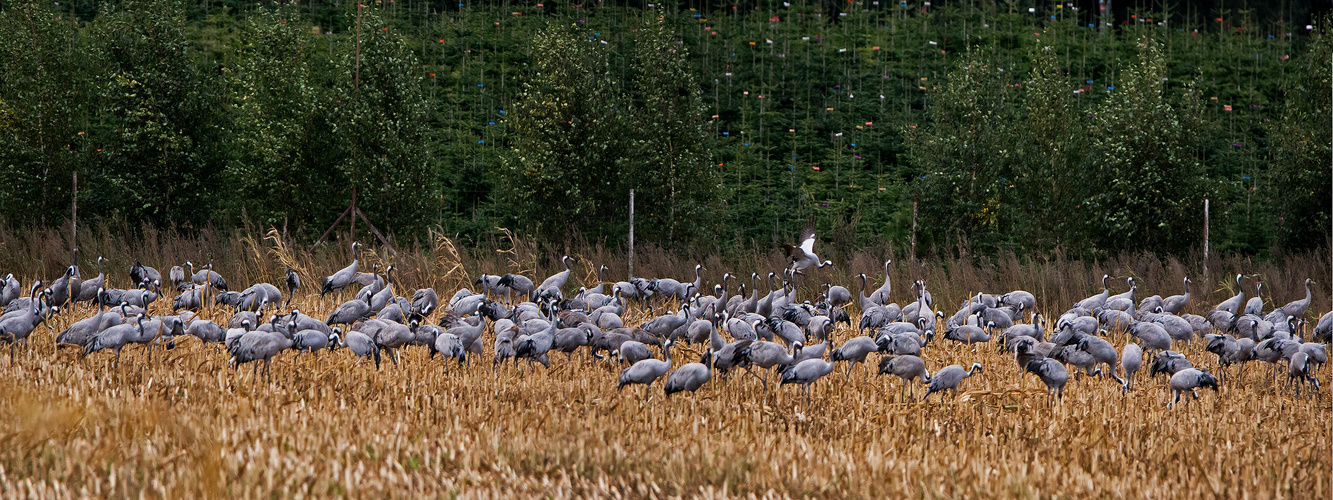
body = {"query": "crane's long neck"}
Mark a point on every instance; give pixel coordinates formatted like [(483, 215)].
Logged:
[(863, 287)]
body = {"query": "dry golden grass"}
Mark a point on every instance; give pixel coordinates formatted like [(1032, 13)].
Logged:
[(185, 425)]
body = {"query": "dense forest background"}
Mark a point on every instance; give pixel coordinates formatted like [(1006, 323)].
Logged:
[(970, 126)]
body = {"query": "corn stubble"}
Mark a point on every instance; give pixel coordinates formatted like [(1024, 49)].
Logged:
[(186, 425)]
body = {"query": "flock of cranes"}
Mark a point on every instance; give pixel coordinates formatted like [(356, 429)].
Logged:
[(757, 333)]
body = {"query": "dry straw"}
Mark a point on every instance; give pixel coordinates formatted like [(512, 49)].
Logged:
[(185, 425)]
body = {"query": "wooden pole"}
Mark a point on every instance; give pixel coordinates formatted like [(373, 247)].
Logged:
[(333, 226), (356, 77), (631, 233), (1205, 239), (384, 241), (74, 218), (916, 202), (353, 210)]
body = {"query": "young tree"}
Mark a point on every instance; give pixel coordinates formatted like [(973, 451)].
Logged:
[(161, 119), (965, 159), (45, 104), (1142, 189), (382, 119), (675, 185), (569, 140), (1300, 173), (1047, 181), (279, 112)]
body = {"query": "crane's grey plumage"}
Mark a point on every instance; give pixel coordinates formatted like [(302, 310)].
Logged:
[(450, 346), (535, 346), (1099, 300), (79, 333), (207, 277), (342, 278), (361, 345), (90, 289), (1020, 300), (1102, 352), (206, 331), (1035, 330), (1052, 373), (568, 340), (967, 334), (177, 276), (1123, 301), (1233, 304), (552, 286), (259, 346), (516, 283), (1168, 362), (10, 290), (855, 351), (1176, 303), (632, 351), (1081, 360), (905, 367), (424, 301), (349, 312), (1323, 331), (882, 295), (385, 295), (765, 355), (1152, 335), (117, 337), (16, 326), (949, 377), (1189, 379), (1297, 308), (646, 371), (293, 284), (1255, 305), (691, 376), (1301, 371), (145, 276), (805, 373), (58, 292), (836, 295)]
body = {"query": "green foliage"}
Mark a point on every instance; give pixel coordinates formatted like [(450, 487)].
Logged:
[(1143, 191), (968, 156), (286, 145), (581, 140), (734, 125), (675, 186), (569, 139), (1300, 185), (44, 110), (160, 119), (382, 120)]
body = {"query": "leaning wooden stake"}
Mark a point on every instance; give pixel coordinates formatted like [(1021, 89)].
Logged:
[(631, 233)]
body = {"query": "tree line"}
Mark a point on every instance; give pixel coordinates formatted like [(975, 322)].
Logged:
[(978, 127)]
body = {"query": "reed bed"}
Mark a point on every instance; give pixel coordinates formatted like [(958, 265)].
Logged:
[(186, 425)]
